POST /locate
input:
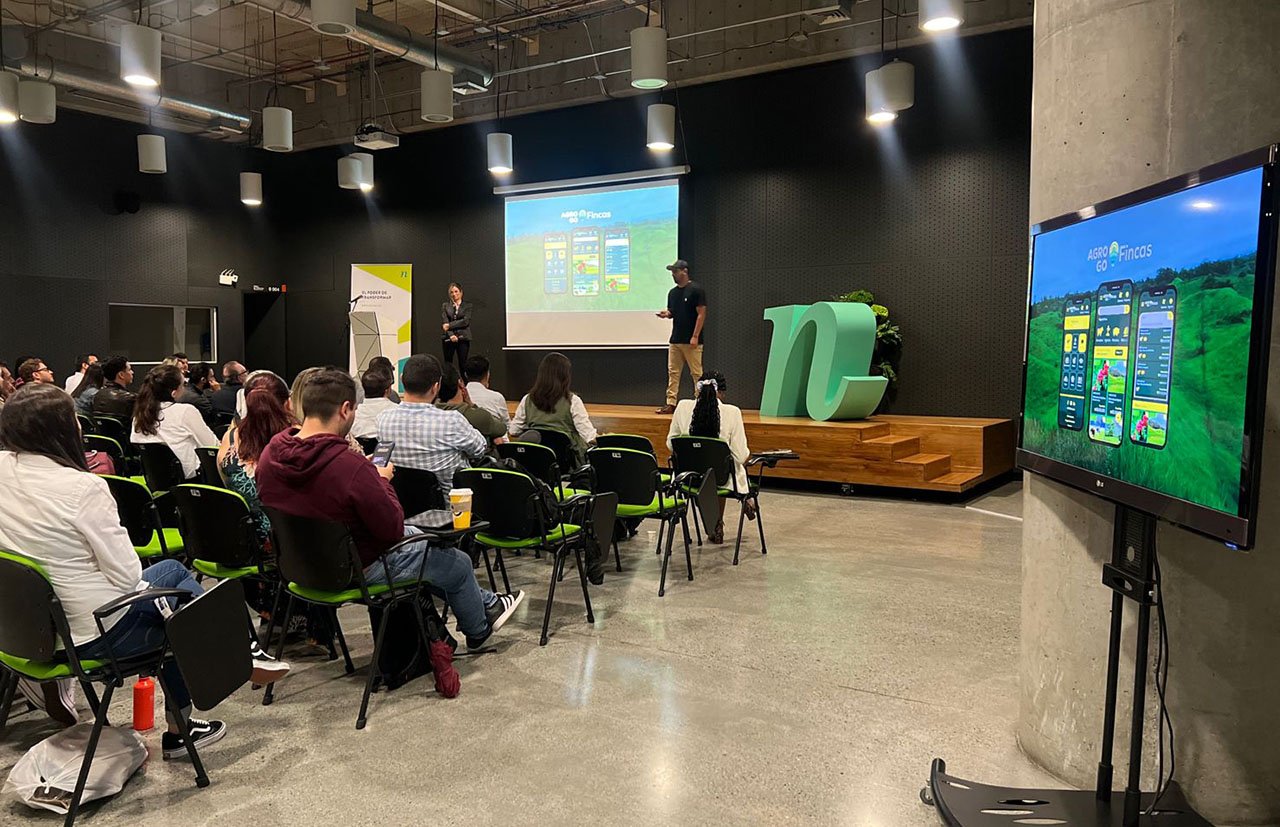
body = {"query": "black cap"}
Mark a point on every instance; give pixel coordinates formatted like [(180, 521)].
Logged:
[(678, 264)]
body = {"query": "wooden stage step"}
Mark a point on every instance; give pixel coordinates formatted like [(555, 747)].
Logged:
[(934, 453)]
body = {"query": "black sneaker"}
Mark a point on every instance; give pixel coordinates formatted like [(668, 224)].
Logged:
[(498, 614), (202, 732)]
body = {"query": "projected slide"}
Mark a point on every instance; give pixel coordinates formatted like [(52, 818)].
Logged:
[(588, 268)]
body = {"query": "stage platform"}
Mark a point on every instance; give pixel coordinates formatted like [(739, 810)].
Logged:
[(931, 453)]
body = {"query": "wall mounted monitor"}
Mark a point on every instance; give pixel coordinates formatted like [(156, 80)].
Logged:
[(1148, 328)]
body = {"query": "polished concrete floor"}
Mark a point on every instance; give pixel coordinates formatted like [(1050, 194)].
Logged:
[(811, 686)]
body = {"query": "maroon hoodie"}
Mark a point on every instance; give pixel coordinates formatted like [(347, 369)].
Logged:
[(321, 477)]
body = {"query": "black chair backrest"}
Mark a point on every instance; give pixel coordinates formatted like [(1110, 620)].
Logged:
[(108, 446), (87, 425), (160, 466), (209, 473), (214, 659), (135, 507), (114, 428), (536, 459), (632, 475), (318, 554), (698, 453), (507, 500), (562, 445), (27, 628), (633, 441), (217, 525), (418, 491), (368, 444)]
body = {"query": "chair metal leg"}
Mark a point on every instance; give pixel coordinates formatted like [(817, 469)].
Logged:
[(488, 567), (184, 726), (9, 681), (270, 694), (502, 569), (617, 558), (275, 609), (582, 575), (373, 667), (662, 584), (760, 524), (342, 641), (98, 721), (742, 518), (684, 523), (551, 596), (696, 529), (662, 525), (688, 557), (90, 695)]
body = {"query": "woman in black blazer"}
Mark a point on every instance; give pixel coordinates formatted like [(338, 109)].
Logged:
[(455, 318)]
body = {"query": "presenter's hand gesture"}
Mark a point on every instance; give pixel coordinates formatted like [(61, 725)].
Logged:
[(445, 327), (663, 314)]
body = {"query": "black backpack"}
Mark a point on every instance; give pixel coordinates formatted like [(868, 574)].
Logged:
[(404, 654)]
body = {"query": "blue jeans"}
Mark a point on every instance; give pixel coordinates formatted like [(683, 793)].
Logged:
[(448, 575), (141, 630)]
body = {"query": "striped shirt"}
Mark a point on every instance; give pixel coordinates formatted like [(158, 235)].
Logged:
[(430, 439)]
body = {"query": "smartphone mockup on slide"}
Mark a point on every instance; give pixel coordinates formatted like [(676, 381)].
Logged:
[(586, 262), (555, 264), (1109, 372), (1073, 381), (1153, 367), (617, 261)]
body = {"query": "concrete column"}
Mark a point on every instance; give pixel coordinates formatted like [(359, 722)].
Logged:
[(1126, 93)]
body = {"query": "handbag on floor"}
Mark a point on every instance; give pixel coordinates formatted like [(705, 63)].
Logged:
[(45, 777)]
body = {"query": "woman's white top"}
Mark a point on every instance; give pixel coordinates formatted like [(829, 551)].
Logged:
[(732, 431), (183, 429), (66, 520)]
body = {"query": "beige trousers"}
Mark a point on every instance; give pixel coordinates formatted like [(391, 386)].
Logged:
[(677, 355)]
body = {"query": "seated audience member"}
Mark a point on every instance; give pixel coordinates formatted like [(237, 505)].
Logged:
[(56, 512), (223, 400), (385, 364), (158, 418), (82, 362), (196, 391), (453, 397), (311, 472), (426, 437), (115, 398), (708, 415), (6, 383), (265, 414), (376, 383), (551, 405), (180, 359), (34, 371), (481, 394), (90, 383)]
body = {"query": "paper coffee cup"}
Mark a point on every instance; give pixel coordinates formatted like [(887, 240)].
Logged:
[(460, 503)]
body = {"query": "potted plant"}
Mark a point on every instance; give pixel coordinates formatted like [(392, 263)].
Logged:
[(887, 353)]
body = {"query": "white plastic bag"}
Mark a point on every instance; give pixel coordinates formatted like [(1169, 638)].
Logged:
[(45, 777)]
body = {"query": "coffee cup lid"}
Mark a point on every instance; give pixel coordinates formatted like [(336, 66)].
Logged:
[(460, 492)]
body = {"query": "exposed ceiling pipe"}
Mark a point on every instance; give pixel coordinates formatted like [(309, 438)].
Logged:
[(394, 39), (109, 86)]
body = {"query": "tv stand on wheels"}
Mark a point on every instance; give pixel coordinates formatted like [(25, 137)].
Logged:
[(962, 803)]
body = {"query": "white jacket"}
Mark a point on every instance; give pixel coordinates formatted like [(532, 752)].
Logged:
[(66, 520), (183, 429), (732, 431)]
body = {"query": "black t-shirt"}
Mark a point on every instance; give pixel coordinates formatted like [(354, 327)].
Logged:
[(683, 303)]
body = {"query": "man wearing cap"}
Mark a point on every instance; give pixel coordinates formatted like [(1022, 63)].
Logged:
[(687, 310)]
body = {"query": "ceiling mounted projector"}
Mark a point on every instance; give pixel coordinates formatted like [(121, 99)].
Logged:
[(371, 136)]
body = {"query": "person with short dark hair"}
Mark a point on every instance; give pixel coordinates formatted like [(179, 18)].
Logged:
[(115, 399), (198, 389), (453, 397), (455, 325), (376, 383), (687, 310), (184, 364), (159, 417), (82, 362), (35, 371), (90, 383), (384, 364), (223, 400), (478, 389), (550, 404), (311, 472)]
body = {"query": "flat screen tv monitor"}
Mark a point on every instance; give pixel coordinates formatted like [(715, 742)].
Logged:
[(1148, 327)]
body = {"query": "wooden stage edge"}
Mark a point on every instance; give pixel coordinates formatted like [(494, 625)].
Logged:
[(931, 453)]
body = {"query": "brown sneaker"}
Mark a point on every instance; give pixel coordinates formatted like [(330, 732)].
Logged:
[(666, 409)]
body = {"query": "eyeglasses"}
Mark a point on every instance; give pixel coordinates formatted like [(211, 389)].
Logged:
[(43, 369)]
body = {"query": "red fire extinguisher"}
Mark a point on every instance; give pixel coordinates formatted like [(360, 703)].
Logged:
[(144, 704)]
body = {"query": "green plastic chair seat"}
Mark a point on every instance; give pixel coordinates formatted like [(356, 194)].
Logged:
[(650, 508), (555, 535), (723, 492), (139, 481), (345, 596), (45, 670), (567, 493), (210, 569), (172, 539)]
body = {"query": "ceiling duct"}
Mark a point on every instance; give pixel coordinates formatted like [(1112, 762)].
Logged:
[(393, 39), (110, 86)]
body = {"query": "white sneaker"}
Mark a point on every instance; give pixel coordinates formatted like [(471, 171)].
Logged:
[(266, 669)]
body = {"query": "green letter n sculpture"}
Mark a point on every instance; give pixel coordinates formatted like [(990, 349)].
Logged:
[(818, 362)]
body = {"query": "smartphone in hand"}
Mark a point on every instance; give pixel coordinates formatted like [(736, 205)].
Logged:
[(381, 455)]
